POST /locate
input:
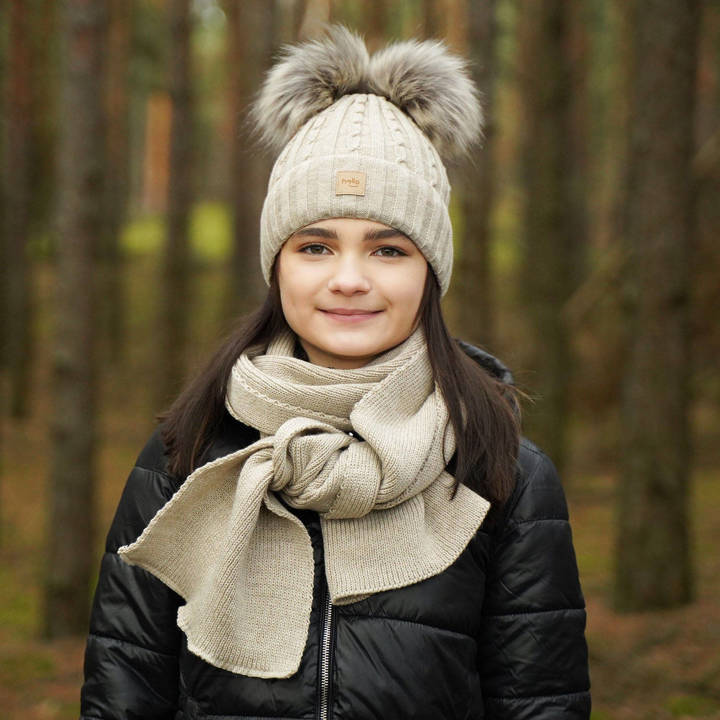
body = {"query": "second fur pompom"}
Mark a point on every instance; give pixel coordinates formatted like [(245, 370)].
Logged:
[(422, 78)]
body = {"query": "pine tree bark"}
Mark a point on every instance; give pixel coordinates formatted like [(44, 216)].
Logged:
[(653, 563), (432, 25), (43, 114), (118, 178), (177, 300), (547, 276), (375, 23), (576, 55), (317, 14), (70, 538), (156, 156), (705, 268), (4, 254), (17, 304), (250, 33), (475, 297)]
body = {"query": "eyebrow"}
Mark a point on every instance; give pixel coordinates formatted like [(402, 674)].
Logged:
[(380, 234)]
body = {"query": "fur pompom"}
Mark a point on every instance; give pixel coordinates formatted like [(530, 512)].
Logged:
[(307, 79), (434, 88), (423, 79)]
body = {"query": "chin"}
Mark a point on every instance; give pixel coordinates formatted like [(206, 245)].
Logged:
[(354, 352)]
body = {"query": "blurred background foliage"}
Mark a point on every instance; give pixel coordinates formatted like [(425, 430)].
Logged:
[(587, 259)]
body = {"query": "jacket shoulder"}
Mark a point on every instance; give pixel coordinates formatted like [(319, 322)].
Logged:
[(149, 486), (153, 456), (533, 551), (538, 492)]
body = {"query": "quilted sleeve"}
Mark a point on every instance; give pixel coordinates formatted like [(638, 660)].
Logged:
[(131, 657), (532, 652)]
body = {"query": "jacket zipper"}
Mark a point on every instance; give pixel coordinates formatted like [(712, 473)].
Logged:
[(325, 656)]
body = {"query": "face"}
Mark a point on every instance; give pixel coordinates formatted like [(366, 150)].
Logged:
[(350, 289)]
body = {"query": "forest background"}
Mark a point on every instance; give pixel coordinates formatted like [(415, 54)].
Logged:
[(587, 259)]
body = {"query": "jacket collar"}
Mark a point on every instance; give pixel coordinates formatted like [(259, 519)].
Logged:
[(489, 362)]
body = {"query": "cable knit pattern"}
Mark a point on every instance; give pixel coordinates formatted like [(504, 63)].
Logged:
[(406, 185), (365, 448)]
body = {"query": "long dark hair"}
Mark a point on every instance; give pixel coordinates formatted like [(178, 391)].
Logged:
[(483, 409)]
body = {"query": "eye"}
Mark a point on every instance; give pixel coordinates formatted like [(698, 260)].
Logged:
[(314, 249), (389, 251)]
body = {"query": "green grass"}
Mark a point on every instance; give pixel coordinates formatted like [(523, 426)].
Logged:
[(18, 609), (693, 706), (25, 668)]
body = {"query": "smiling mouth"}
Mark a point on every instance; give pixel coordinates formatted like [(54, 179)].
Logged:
[(350, 315), (348, 311)]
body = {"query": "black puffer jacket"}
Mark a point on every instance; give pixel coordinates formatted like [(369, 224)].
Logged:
[(499, 634)]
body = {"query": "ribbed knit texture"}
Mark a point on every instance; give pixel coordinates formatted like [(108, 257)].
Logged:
[(406, 185), (244, 563)]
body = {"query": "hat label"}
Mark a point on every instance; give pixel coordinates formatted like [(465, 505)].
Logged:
[(350, 182)]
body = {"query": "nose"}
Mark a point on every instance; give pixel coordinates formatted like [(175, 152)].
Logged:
[(348, 278)]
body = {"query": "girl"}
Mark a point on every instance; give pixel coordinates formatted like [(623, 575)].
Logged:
[(337, 518)]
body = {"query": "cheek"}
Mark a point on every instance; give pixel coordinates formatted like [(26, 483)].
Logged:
[(288, 300), (408, 289), (297, 290)]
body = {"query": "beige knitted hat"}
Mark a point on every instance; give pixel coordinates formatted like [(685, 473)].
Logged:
[(362, 137)]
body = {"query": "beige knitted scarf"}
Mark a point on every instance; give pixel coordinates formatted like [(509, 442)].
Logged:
[(366, 448)]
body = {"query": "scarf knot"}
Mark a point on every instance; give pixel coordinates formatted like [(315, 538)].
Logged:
[(317, 467)]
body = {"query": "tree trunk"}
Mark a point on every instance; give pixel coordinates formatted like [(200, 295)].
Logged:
[(375, 23), (432, 24), (71, 548), (177, 301), (16, 273), (156, 156), (250, 33), (618, 167), (4, 250), (456, 19), (549, 247), (653, 565), (317, 14), (289, 15), (576, 53), (112, 321), (477, 189), (43, 112), (705, 288)]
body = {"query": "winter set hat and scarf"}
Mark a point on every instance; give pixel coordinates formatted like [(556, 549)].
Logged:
[(366, 448)]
